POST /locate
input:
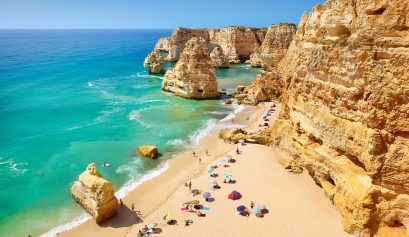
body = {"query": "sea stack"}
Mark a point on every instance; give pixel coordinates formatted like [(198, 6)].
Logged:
[(95, 194), (346, 110), (274, 46), (154, 62), (219, 59), (193, 76)]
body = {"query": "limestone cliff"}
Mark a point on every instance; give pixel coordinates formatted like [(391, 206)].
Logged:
[(154, 62), (95, 194), (237, 43), (193, 76), (179, 38), (274, 46), (163, 44), (346, 110), (219, 59)]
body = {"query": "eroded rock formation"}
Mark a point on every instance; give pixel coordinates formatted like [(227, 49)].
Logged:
[(193, 76), (274, 46), (95, 194), (219, 59), (237, 43), (163, 44), (148, 151), (154, 62), (346, 110)]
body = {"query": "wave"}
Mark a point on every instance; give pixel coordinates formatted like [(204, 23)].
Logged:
[(12, 166), (121, 193), (135, 115), (176, 142), (144, 75)]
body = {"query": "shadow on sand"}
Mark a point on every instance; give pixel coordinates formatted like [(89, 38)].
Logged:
[(125, 218)]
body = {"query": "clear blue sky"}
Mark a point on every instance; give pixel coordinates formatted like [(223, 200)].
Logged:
[(149, 14)]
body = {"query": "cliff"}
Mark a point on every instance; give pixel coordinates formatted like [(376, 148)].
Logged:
[(274, 46), (346, 110), (237, 43), (154, 62), (219, 59), (193, 76), (95, 194)]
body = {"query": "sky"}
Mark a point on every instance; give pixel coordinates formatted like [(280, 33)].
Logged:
[(149, 14)]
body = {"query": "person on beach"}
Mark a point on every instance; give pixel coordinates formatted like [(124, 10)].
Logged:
[(194, 153), (237, 151), (252, 205), (120, 202), (200, 160), (132, 207), (190, 186)]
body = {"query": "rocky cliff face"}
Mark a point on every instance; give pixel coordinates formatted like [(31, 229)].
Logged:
[(274, 46), (237, 43), (193, 76), (95, 194), (346, 110), (219, 59), (179, 38), (154, 62), (163, 44)]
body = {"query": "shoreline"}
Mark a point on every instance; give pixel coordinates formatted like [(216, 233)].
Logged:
[(239, 115), (257, 166)]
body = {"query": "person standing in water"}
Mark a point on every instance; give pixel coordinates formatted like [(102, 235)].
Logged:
[(190, 186)]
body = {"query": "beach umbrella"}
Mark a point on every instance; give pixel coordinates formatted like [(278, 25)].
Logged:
[(227, 176), (207, 195), (256, 210), (168, 217), (210, 170), (228, 156), (234, 195), (222, 161), (261, 207), (241, 141), (152, 226), (241, 208)]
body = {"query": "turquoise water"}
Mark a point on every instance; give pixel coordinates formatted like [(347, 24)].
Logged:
[(72, 97)]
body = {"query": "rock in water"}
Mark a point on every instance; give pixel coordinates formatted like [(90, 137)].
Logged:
[(193, 76), (346, 110), (219, 59), (148, 151), (154, 62), (163, 44), (95, 194), (274, 46)]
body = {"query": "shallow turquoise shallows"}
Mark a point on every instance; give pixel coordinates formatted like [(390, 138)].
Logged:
[(72, 97)]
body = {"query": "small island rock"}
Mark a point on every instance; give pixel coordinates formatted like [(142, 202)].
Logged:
[(154, 62), (148, 151), (95, 194)]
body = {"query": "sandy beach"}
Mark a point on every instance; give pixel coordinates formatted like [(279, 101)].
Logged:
[(297, 207)]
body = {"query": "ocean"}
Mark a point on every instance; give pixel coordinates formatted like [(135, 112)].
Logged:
[(72, 97)]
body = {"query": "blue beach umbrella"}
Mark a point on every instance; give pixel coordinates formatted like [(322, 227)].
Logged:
[(256, 210), (210, 170), (207, 195), (241, 208)]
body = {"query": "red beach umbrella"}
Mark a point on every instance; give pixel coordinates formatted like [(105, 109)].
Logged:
[(234, 195)]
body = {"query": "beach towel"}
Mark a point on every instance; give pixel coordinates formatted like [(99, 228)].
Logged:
[(183, 209), (206, 208)]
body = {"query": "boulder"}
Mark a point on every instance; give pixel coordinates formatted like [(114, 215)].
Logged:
[(154, 62), (95, 194), (193, 76), (148, 151), (232, 135)]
